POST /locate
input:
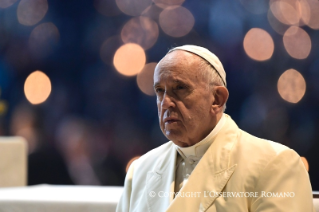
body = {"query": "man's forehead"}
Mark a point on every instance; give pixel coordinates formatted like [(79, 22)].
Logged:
[(177, 67), (178, 60), (179, 54)]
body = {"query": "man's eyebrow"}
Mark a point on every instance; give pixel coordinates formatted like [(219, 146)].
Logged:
[(174, 81), (156, 84), (178, 81)]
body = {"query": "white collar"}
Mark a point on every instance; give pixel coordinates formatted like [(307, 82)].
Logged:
[(199, 149)]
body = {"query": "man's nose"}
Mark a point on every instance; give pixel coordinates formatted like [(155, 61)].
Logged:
[(167, 102)]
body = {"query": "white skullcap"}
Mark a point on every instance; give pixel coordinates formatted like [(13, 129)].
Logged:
[(204, 53)]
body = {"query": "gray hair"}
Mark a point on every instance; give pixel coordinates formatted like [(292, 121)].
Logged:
[(211, 75)]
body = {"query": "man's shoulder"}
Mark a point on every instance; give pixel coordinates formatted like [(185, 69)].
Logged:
[(153, 155), (254, 155), (260, 151), (256, 143)]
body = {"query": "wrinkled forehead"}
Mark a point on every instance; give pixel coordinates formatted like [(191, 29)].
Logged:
[(178, 64), (178, 60), (180, 56)]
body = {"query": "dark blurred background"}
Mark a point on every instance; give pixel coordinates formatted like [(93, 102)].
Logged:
[(76, 77)]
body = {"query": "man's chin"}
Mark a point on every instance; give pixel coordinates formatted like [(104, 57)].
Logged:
[(172, 134), (176, 137), (181, 144)]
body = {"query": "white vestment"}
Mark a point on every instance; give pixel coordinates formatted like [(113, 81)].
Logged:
[(238, 172)]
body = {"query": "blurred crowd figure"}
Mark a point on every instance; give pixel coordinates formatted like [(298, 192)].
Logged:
[(80, 145), (76, 154)]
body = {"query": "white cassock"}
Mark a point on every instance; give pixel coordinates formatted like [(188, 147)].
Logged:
[(229, 170), (188, 157)]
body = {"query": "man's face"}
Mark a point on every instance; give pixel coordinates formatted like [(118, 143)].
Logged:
[(184, 99)]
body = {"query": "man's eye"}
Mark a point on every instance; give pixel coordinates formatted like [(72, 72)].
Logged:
[(179, 87), (159, 90)]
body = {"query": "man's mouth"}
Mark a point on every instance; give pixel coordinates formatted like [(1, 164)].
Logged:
[(170, 120)]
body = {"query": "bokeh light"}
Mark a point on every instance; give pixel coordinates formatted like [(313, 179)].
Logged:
[(141, 30), (168, 3), (276, 25), (314, 14), (37, 87), (303, 10), (3, 107), (152, 12), (129, 59), (43, 38), (133, 7), (291, 12), (6, 3), (305, 162), (297, 42), (109, 48), (131, 161), (176, 21), (284, 12), (258, 44), (291, 86), (145, 80), (106, 7), (30, 12)]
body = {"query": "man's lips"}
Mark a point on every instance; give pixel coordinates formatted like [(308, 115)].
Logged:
[(170, 120)]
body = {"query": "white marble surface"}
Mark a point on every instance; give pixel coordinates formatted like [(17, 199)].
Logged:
[(316, 201), (13, 161), (316, 204), (49, 198)]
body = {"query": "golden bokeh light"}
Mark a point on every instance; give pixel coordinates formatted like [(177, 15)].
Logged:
[(130, 162), (258, 44), (176, 21), (6, 3), (129, 59), (291, 86), (141, 30), (133, 7), (30, 12), (43, 38), (314, 14), (145, 79), (283, 10), (291, 12), (106, 7), (152, 12), (37, 87), (276, 25), (297, 42), (168, 3), (303, 10), (305, 162), (3, 107)]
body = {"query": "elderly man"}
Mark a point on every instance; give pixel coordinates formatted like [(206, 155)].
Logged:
[(209, 164)]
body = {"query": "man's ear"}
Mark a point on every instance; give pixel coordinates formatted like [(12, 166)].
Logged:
[(220, 98)]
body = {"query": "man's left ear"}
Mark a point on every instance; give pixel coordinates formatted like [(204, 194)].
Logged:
[(220, 98)]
